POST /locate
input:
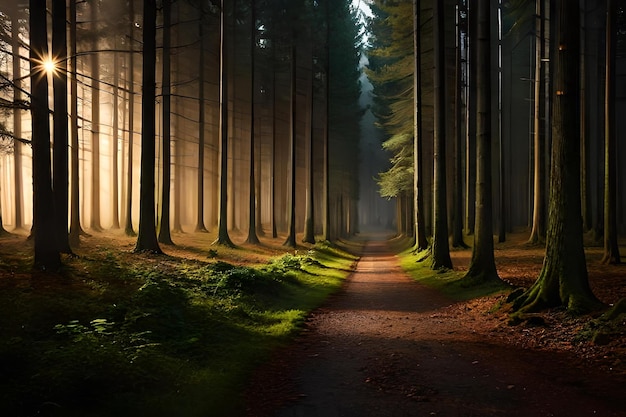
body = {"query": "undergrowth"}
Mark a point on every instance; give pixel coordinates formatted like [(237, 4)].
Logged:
[(160, 338), (448, 281)]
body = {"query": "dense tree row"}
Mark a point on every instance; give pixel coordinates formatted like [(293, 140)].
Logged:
[(179, 115), (521, 96)]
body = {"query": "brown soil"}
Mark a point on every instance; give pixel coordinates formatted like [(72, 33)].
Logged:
[(388, 346)]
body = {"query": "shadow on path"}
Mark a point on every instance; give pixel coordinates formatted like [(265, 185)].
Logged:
[(384, 346)]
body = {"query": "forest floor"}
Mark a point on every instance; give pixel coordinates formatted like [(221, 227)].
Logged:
[(387, 345)]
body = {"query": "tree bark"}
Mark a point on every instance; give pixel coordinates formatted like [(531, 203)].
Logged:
[(17, 119), (95, 223), (47, 256), (537, 233), (611, 248), (457, 202), (291, 209), (482, 266), (563, 278), (222, 227), (309, 219), (147, 237), (200, 226), (164, 235), (60, 180), (440, 248), (326, 229), (252, 227), (128, 227), (421, 241)]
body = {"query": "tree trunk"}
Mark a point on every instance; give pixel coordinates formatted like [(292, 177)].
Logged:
[(75, 227), (128, 228), (274, 147), (457, 204), (115, 138), (60, 162), (421, 242), (147, 237), (482, 266), (222, 227), (164, 235), (17, 119), (470, 137), (326, 233), (291, 210), (46, 253), (200, 227), (96, 223), (537, 233), (611, 248), (252, 236), (440, 247), (563, 279), (309, 220)]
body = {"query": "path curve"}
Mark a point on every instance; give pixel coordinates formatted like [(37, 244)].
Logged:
[(386, 347)]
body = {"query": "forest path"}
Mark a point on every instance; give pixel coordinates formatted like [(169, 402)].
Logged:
[(387, 346)]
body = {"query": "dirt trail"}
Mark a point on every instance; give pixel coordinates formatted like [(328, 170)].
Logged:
[(387, 346)]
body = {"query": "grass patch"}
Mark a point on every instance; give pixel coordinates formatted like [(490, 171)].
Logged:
[(120, 334), (448, 282)]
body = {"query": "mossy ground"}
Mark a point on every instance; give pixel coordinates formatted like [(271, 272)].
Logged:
[(117, 333)]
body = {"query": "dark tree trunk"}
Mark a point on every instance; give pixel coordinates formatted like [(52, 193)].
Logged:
[(128, 228), (457, 203), (482, 266), (164, 235), (563, 280), (440, 247), (309, 220), (60, 156), (291, 209), (326, 234), (46, 253), (222, 227), (611, 248), (421, 241), (147, 237), (252, 236), (200, 226)]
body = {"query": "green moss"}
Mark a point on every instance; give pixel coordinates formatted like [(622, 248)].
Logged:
[(611, 325), (448, 281)]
